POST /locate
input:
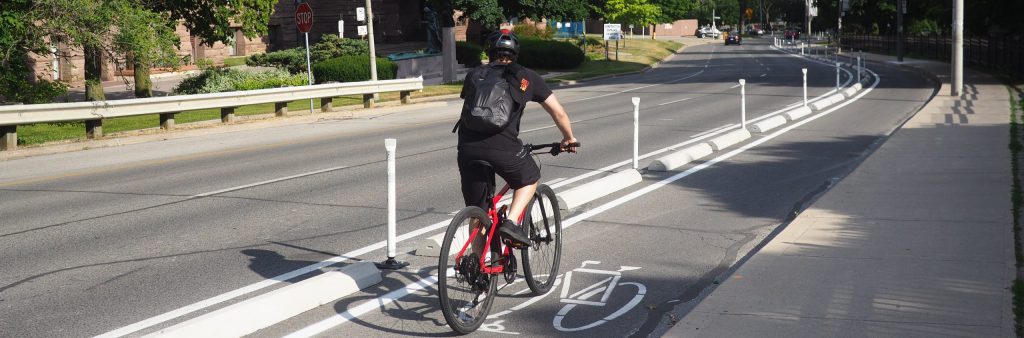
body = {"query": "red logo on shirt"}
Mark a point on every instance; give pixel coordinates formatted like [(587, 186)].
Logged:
[(523, 84)]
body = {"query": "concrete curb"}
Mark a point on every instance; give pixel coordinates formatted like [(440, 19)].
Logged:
[(729, 139), (577, 196), (681, 158), (798, 113), (768, 124), (273, 307)]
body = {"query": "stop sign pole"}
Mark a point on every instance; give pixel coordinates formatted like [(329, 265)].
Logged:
[(304, 20)]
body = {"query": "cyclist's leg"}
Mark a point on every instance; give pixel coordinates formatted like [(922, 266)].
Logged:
[(520, 198), (523, 175), (477, 185)]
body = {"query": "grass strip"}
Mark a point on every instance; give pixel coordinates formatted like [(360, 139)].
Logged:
[(635, 56), (49, 132), (1016, 197)]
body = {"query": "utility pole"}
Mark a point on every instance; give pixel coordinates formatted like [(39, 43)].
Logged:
[(369, 30), (901, 8), (958, 48)]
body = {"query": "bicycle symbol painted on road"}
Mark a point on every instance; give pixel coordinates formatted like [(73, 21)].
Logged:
[(604, 288)]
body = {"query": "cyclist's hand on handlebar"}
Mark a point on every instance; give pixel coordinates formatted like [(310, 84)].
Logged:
[(569, 144)]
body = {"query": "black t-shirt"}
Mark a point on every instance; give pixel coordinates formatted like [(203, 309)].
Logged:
[(527, 86)]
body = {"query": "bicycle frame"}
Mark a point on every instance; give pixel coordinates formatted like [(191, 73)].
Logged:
[(492, 214)]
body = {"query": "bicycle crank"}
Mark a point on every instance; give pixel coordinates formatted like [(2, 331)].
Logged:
[(510, 269)]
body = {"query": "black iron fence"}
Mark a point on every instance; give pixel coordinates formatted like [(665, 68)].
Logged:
[(1005, 54)]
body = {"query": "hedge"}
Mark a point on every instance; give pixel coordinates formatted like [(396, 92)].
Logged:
[(352, 68), (468, 54), (546, 54), (230, 79), (294, 60)]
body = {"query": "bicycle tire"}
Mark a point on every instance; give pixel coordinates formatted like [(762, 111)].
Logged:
[(543, 255), (457, 311)]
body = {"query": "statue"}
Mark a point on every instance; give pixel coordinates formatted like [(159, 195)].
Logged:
[(432, 26)]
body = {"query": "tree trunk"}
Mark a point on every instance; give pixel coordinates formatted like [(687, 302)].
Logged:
[(93, 73), (143, 85)]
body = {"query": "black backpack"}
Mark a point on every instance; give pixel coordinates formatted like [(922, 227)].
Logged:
[(491, 106)]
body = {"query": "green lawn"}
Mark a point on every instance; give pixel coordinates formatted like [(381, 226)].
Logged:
[(635, 56), (48, 132), (234, 61)]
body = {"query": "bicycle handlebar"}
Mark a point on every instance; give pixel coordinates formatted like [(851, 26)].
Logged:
[(556, 147)]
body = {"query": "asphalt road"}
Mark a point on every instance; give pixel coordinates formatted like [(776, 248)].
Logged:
[(103, 239)]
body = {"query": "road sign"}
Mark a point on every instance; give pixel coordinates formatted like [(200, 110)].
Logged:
[(360, 14), (361, 30), (341, 28), (612, 31), (304, 17)]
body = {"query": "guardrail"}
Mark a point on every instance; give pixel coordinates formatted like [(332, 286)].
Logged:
[(94, 112)]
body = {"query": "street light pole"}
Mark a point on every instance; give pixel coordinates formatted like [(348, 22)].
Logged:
[(958, 48), (900, 8)]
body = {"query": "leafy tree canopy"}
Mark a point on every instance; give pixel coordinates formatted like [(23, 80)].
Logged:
[(636, 12), (672, 10), (491, 13)]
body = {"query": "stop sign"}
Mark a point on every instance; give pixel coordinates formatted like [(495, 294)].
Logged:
[(304, 17)]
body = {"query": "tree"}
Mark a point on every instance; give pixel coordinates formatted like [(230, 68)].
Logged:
[(146, 39), (18, 38), (635, 12), (672, 10), (491, 13)]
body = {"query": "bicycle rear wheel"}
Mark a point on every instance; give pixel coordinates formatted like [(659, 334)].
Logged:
[(465, 292), (541, 259)]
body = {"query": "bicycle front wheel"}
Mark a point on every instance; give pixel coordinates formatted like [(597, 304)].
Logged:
[(466, 293), (540, 260)]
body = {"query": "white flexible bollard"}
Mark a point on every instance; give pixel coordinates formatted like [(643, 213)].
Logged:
[(837, 77), (858, 70), (636, 132), (390, 145), (805, 86), (743, 104)]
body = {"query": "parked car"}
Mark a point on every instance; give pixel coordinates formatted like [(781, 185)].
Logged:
[(733, 38), (707, 31)]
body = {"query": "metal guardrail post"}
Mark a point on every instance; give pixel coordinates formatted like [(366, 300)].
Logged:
[(406, 97), (368, 101), (326, 104), (93, 128), (280, 109), (227, 114), (8, 138), (167, 121)]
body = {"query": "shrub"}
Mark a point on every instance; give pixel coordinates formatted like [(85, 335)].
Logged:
[(468, 54), (332, 46), (230, 79), (293, 60), (352, 68), (546, 54), (531, 31), (924, 27)]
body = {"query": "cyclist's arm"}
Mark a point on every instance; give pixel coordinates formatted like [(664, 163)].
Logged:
[(557, 112)]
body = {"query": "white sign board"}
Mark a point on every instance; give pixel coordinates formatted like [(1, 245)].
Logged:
[(360, 14), (361, 30), (558, 25), (568, 25), (341, 28), (612, 31)]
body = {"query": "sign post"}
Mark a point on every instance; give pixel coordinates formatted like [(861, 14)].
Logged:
[(612, 31), (304, 20)]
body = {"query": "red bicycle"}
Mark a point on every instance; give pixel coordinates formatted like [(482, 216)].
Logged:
[(467, 272)]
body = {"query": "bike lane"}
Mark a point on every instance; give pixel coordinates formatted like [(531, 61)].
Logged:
[(625, 269)]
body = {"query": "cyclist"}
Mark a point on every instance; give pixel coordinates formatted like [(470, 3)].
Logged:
[(503, 150)]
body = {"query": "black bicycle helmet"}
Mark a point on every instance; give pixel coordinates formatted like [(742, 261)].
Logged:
[(502, 41)]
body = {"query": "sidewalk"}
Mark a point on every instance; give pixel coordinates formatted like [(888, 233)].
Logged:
[(915, 242)]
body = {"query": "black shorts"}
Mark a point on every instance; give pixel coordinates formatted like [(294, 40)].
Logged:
[(516, 168)]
